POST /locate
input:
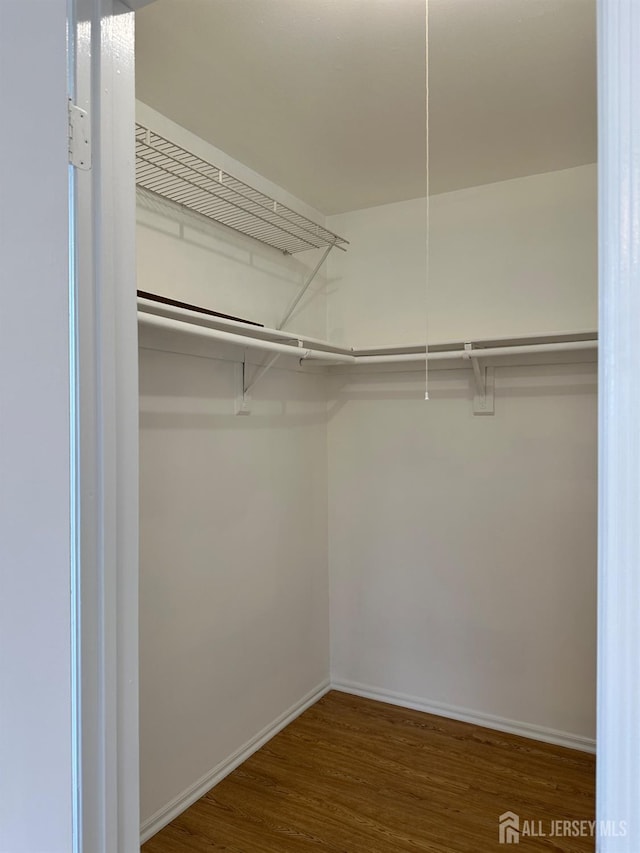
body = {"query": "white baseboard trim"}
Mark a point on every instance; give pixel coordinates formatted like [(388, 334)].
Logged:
[(174, 808), (466, 715), (189, 796)]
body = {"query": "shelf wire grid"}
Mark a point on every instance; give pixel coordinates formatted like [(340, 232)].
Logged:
[(175, 174)]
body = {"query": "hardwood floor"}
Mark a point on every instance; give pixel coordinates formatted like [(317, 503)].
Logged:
[(356, 776)]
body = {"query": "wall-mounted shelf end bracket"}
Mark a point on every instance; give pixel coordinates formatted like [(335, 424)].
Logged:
[(243, 399), (483, 399)]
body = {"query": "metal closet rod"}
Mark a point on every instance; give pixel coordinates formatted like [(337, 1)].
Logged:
[(479, 352), (246, 341), (149, 306), (303, 347)]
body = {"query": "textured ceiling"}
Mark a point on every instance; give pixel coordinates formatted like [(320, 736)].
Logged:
[(327, 97)]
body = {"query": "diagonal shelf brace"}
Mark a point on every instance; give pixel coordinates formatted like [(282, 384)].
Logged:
[(260, 373), (483, 399), (478, 373), (305, 287), (243, 400)]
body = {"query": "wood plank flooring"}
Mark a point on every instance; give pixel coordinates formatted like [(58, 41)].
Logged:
[(356, 776)]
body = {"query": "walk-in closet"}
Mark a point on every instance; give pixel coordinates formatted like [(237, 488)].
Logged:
[(368, 412)]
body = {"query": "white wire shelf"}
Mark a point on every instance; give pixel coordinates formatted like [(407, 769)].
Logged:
[(175, 174)]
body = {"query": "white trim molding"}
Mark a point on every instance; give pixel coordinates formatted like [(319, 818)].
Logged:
[(101, 44), (618, 774), (200, 787), (467, 715), (193, 793)]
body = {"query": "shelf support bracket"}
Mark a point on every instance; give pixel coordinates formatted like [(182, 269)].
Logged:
[(305, 287), (243, 400), (483, 399)]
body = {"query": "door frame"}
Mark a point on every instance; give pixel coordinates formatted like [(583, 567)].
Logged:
[(104, 393), (108, 428), (618, 708)]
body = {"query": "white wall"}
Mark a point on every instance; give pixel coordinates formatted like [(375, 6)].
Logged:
[(35, 563), (234, 592), (511, 258), (234, 605), (228, 273), (462, 549)]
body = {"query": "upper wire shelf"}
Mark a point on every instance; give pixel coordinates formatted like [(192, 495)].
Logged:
[(172, 172)]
